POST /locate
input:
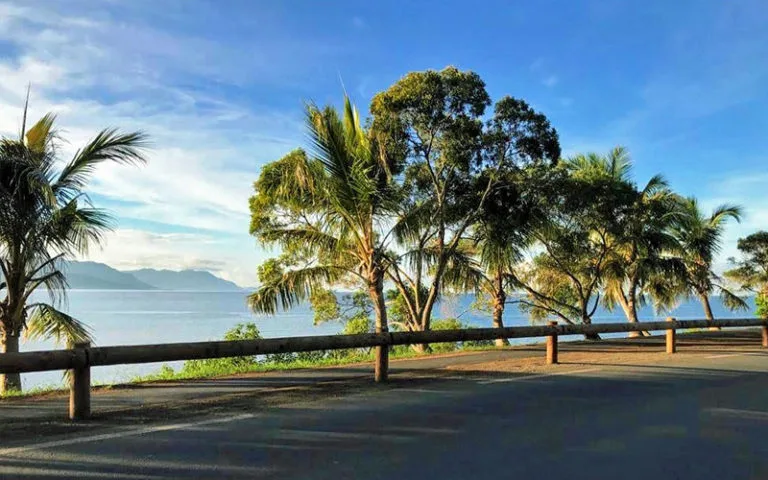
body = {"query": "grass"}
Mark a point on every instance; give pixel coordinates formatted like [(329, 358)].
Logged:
[(35, 391), (45, 390), (197, 369), (223, 367)]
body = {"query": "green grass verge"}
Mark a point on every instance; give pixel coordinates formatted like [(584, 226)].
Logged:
[(223, 368)]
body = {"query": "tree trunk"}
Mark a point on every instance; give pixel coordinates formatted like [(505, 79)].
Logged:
[(10, 381), (499, 298), (708, 310), (589, 336), (631, 311), (426, 317), (376, 291), (629, 305)]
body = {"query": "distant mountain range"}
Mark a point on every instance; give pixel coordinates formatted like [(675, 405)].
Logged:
[(98, 276)]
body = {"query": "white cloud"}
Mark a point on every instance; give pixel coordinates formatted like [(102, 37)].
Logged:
[(130, 249), (96, 71), (536, 65), (550, 81), (358, 23)]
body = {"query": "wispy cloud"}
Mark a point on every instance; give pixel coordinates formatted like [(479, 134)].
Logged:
[(358, 22), (129, 249), (95, 71), (550, 81)]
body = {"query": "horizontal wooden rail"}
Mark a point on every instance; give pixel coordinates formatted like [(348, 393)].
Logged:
[(80, 360), (130, 354)]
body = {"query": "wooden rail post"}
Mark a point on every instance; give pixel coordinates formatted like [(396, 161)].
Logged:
[(381, 364), (80, 389), (552, 347), (671, 338), (765, 335)]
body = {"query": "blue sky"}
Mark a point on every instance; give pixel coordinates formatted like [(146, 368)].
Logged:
[(220, 87)]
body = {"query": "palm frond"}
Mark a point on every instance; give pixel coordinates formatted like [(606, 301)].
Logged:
[(292, 288), (732, 301), (306, 237), (40, 136), (411, 224), (655, 184), (46, 322), (463, 273), (108, 145), (723, 212)]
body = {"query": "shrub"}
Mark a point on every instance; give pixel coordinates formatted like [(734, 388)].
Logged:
[(446, 324), (761, 301), (241, 331)]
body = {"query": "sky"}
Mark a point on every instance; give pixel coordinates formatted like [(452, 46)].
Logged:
[(220, 87)]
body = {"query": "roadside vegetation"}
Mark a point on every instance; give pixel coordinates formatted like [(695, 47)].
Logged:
[(444, 191), (46, 217), (441, 191), (215, 367)]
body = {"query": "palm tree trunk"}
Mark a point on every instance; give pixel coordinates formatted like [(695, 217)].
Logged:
[(631, 312), (708, 310), (10, 381), (629, 305), (586, 320), (381, 360), (499, 298)]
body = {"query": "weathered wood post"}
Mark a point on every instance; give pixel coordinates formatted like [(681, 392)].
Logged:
[(381, 364), (80, 389), (765, 335), (552, 347), (671, 338)]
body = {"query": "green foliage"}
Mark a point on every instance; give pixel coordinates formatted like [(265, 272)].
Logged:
[(446, 324), (325, 306), (761, 300), (588, 198), (455, 324), (46, 217), (401, 317), (241, 331), (699, 238), (343, 308), (458, 167), (325, 210), (751, 270), (358, 324)]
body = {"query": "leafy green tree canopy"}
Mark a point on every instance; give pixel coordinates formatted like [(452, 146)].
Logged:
[(751, 271), (455, 164)]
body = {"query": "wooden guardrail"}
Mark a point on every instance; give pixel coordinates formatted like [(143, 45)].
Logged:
[(81, 358)]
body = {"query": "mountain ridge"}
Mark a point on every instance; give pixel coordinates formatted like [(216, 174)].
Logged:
[(88, 275)]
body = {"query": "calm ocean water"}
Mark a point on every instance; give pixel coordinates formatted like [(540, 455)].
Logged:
[(143, 317)]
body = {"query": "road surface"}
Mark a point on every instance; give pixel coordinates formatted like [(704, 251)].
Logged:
[(691, 417)]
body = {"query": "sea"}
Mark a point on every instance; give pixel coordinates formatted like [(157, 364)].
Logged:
[(135, 317)]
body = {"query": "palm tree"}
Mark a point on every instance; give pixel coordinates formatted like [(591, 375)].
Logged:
[(326, 213), (640, 252), (699, 241), (46, 218), (590, 198), (484, 263), (488, 276)]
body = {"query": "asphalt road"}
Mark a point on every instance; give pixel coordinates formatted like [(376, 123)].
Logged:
[(691, 418)]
